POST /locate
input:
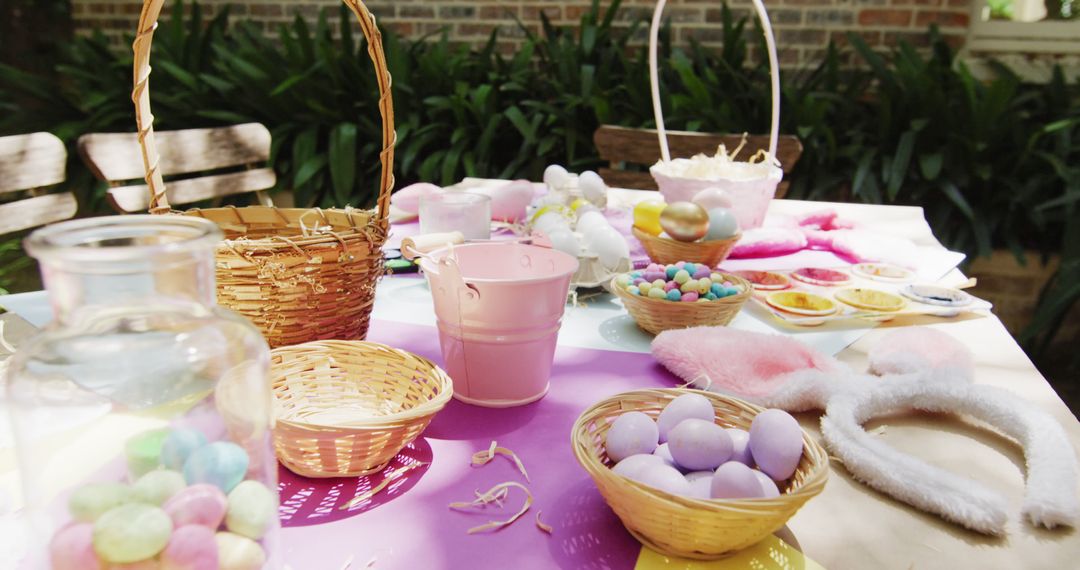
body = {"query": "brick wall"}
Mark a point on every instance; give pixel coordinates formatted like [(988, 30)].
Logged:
[(804, 27)]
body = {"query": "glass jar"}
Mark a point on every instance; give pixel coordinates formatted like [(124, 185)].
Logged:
[(142, 413)]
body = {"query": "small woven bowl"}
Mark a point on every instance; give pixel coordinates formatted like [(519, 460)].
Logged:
[(658, 315), (682, 526), (346, 408), (668, 251)]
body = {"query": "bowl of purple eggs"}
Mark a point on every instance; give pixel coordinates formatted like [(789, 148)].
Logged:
[(681, 295), (696, 474)]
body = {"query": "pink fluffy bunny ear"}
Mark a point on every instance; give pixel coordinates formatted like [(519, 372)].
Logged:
[(747, 364), (922, 349)]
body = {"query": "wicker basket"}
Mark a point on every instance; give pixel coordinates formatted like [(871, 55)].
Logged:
[(658, 315), (297, 274), (681, 526), (346, 408), (668, 251)]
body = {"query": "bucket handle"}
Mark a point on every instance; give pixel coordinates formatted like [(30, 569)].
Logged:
[(774, 73)]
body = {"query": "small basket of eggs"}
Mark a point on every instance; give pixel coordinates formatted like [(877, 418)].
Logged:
[(681, 295), (704, 230), (695, 474)]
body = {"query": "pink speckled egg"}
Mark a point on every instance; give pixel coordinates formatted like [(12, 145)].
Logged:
[(72, 548), (630, 434), (203, 505), (191, 547)]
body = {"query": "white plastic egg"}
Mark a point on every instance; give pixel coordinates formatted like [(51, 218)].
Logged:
[(592, 187), (609, 245), (590, 221), (550, 222), (710, 198), (556, 176), (565, 241)]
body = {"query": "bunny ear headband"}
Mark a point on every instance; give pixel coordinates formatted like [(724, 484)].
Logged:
[(910, 369)]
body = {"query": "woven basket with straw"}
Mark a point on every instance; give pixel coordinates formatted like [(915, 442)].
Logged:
[(658, 315), (297, 274), (668, 251), (346, 408), (681, 526)]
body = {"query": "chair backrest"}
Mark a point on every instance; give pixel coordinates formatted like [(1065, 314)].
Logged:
[(621, 146), (218, 152), (30, 163)]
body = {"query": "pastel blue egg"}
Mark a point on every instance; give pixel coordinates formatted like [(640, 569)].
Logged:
[(732, 291), (674, 295), (636, 275), (717, 289), (178, 445), (690, 268), (711, 296), (634, 290), (722, 224), (222, 464), (671, 271)]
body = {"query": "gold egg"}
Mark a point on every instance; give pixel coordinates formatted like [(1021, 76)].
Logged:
[(685, 221)]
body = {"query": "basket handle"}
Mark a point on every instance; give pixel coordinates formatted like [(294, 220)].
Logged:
[(654, 79), (144, 118)]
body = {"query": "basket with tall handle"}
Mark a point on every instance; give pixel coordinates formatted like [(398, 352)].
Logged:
[(298, 274), (750, 186)]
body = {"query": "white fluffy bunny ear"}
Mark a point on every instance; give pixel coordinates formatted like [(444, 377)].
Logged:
[(920, 350), (1050, 499)]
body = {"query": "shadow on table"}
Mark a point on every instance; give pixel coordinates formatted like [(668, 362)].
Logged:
[(588, 535), (460, 421), (307, 501)]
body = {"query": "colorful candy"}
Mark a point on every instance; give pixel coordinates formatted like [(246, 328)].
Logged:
[(156, 487), (143, 451), (72, 548), (221, 463), (131, 532), (681, 282), (91, 501), (236, 552), (252, 509), (191, 547), (203, 505)]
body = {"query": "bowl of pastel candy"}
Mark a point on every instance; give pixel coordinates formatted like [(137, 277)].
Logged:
[(681, 295), (695, 474)]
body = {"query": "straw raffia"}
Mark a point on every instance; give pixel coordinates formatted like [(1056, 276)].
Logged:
[(658, 315), (668, 251), (298, 274), (346, 408), (681, 526)]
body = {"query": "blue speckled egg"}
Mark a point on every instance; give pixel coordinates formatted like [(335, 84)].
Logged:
[(718, 290), (178, 446), (671, 271), (731, 291), (711, 296), (674, 295), (690, 268), (222, 464), (633, 290)]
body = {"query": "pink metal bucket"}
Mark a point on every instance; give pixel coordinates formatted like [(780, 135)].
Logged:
[(498, 307)]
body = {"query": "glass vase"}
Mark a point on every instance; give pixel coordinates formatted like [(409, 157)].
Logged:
[(142, 413)]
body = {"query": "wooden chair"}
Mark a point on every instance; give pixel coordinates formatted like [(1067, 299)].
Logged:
[(621, 146), (227, 161), (30, 163)]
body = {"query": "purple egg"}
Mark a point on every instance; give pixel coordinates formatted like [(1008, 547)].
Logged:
[(701, 272), (733, 480), (651, 276), (665, 478), (740, 441), (697, 444), (632, 466), (630, 434), (700, 484), (685, 407), (776, 443), (670, 285), (663, 451), (769, 489)]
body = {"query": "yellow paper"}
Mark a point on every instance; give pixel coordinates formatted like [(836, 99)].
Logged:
[(769, 554)]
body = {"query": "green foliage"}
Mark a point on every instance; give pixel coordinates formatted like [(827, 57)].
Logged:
[(994, 163)]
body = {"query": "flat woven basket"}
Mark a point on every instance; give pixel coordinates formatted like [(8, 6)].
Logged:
[(297, 274), (346, 408), (668, 251), (658, 315), (681, 526)]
